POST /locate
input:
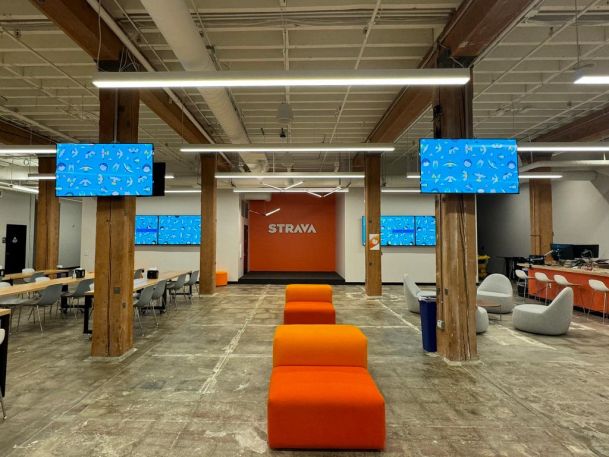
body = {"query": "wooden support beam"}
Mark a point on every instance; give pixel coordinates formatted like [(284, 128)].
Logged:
[(456, 256), (542, 231), (12, 134), (207, 278), (372, 197), (475, 26), (114, 238), (46, 235), (592, 127)]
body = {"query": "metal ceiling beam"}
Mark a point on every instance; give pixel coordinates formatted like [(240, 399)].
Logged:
[(593, 127), (475, 26), (82, 24)]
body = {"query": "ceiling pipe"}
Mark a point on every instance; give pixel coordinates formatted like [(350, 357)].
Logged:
[(565, 164), (175, 23)]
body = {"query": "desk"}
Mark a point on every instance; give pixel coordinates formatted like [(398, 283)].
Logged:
[(138, 284), (15, 276), (5, 315), (38, 286), (584, 296)]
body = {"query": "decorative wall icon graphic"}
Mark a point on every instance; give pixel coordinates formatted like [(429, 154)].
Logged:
[(374, 242)]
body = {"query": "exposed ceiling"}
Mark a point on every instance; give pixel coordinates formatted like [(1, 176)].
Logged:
[(523, 85)]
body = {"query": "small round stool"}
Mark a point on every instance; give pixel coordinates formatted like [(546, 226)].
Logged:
[(600, 287)]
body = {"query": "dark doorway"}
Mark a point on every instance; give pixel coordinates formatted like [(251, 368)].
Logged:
[(16, 240)]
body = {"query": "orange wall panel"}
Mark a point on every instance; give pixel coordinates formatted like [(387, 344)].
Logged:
[(300, 237)]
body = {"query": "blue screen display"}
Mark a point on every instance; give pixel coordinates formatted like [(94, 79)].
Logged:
[(179, 229), (146, 229), (425, 230), (104, 170), (395, 231), (469, 166)]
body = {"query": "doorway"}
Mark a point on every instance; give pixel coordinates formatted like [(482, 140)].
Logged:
[(16, 242)]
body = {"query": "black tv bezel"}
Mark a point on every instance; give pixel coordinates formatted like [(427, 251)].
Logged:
[(424, 192), (107, 196)]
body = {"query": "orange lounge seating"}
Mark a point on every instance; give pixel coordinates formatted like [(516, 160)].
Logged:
[(308, 304), (321, 395), (221, 278)]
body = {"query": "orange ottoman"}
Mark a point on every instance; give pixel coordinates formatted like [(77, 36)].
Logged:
[(308, 304), (321, 395), (221, 278)]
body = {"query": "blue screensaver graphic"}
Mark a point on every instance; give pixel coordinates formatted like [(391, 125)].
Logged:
[(487, 166), (179, 229), (146, 229), (403, 231), (104, 170), (425, 230)]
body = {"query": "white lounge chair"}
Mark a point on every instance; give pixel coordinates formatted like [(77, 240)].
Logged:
[(553, 319), (497, 294), (413, 294)]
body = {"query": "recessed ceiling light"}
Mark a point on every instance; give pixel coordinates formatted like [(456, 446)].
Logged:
[(172, 79)]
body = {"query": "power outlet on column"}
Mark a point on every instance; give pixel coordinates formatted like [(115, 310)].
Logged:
[(440, 324)]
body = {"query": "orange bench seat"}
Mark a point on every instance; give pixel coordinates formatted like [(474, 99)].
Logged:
[(308, 304), (325, 407)]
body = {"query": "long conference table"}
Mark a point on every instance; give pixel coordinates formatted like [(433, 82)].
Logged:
[(138, 284), (24, 275), (584, 296)]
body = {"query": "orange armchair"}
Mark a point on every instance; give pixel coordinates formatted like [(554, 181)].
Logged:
[(321, 395), (308, 304)]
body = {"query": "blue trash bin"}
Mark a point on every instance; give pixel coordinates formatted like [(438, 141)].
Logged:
[(428, 324)]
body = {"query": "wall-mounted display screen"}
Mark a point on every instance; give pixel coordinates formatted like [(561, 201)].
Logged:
[(104, 170), (469, 166), (425, 230), (146, 230), (180, 230)]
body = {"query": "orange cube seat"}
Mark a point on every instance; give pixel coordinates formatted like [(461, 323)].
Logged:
[(325, 408), (308, 304), (221, 278)]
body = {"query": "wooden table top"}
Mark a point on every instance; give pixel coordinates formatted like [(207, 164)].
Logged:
[(595, 272), (139, 284), (36, 286), (4, 311), (13, 276)]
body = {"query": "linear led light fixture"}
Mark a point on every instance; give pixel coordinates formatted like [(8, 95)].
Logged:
[(292, 147), (183, 191), (563, 147), (400, 191), (302, 190), (18, 188), (27, 150), (290, 175), (594, 76), (413, 176), (540, 176), (207, 79)]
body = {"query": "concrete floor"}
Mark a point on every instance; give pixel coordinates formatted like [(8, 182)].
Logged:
[(197, 386)]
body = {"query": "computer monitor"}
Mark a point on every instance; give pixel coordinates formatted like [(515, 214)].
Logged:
[(578, 250), (562, 251)]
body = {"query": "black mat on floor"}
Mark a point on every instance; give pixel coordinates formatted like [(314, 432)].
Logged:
[(288, 277)]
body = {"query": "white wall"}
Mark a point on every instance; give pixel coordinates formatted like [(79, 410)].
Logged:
[(420, 262), (70, 218), (18, 208), (229, 235), (580, 212)]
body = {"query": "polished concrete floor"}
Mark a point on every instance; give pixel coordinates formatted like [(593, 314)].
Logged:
[(197, 386)]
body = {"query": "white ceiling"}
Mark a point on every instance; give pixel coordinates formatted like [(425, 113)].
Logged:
[(523, 84)]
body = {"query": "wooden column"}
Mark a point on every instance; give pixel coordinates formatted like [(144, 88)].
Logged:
[(114, 240), (542, 232), (207, 278), (47, 220), (456, 264), (372, 198)]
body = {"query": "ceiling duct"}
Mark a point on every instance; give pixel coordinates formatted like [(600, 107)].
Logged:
[(175, 23), (285, 115)]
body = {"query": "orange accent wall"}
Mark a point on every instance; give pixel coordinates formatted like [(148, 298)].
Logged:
[(293, 251)]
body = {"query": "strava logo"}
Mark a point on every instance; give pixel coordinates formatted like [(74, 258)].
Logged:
[(291, 228)]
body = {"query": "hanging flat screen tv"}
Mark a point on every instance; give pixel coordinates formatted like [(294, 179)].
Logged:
[(180, 230), (104, 170), (488, 166), (425, 230), (395, 231), (146, 230)]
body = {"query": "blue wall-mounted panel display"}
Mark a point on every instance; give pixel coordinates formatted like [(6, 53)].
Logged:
[(146, 230), (469, 166), (425, 230), (104, 170), (395, 231), (177, 230)]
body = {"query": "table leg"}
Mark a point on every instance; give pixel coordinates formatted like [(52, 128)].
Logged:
[(88, 304), (4, 323)]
